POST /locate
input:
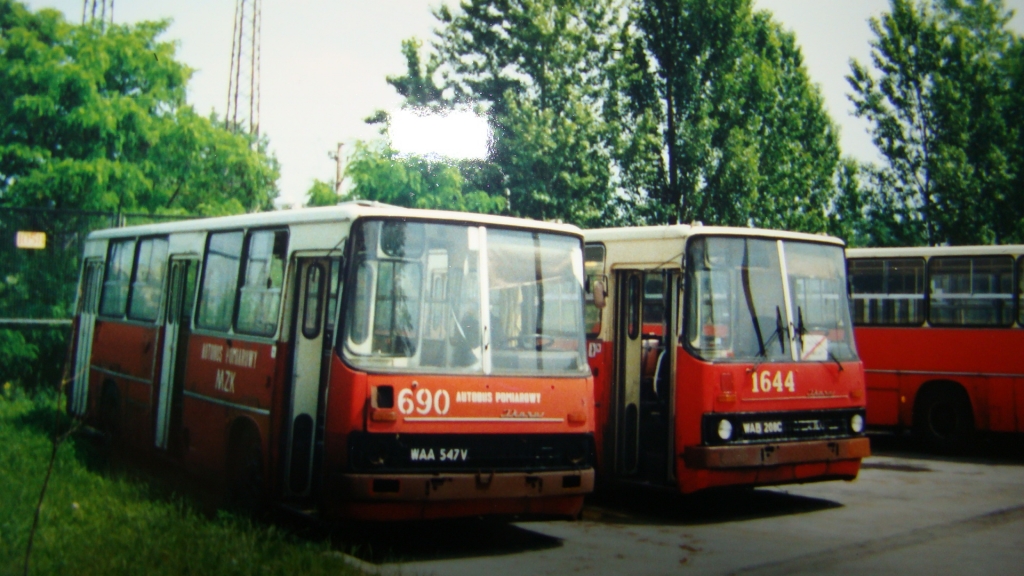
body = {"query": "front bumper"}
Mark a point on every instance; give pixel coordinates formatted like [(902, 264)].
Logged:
[(776, 454), (466, 486)]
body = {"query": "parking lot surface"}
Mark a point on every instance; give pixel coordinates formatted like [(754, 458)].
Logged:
[(908, 513)]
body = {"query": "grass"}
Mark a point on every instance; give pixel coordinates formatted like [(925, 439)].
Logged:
[(97, 520)]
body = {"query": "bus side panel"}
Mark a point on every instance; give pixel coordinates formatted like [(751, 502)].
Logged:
[(225, 379), (277, 437), (601, 357), (127, 349), (693, 399), (347, 396), (883, 399), (1001, 417), (981, 361), (126, 355)]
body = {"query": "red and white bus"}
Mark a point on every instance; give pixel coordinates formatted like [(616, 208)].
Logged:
[(722, 357), (940, 333), (360, 361)]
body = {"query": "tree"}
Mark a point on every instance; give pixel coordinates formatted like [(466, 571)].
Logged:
[(743, 135), (378, 173), (94, 117), (533, 66), (937, 101), (322, 194), (1014, 114)]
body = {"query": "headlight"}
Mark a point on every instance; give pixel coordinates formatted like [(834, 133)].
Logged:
[(857, 423), (725, 430)]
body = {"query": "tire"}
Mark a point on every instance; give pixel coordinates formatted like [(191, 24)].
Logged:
[(246, 476), (943, 421)]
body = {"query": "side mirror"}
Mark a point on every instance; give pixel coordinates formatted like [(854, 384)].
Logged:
[(599, 294)]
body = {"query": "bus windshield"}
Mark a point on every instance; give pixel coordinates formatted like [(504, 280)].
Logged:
[(756, 299), (464, 299)]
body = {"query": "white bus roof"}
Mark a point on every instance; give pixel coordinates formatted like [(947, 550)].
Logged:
[(682, 231), (927, 252), (346, 211)]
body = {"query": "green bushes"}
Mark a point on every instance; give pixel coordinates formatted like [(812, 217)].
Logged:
[(95, 520)]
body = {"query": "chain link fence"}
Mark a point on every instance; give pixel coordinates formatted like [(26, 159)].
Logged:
[(40, 256)]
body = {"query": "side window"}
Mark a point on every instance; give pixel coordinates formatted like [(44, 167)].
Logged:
[(259, 300), (633, 307), (971, 291), (311, 309), (593, 264), (362, 307), (889, 291), (148, 283), (1020, 291), (220, 279), (118, 276)]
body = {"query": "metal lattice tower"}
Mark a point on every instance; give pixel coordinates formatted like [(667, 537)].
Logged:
[(244, 76), (101, 10)]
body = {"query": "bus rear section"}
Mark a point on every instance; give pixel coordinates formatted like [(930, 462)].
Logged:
[(722, 357), (939, 330), (356, 361)]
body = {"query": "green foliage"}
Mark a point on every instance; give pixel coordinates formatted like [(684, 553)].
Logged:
[(104, 523), (636, 111), (743, 135), (94, 117), (379, 173), (533, 66), (322, 194), (940, 98)]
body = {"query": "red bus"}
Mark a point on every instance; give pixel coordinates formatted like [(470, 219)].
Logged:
[(940, 333), (358, 361), (722, 357)]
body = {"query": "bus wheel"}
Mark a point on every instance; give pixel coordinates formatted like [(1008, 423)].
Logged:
[(245, 469), (943, 419)]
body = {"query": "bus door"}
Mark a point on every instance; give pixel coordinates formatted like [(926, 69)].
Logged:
[(629, 353), (645, 343), (181, 292), (88, 306), (313, 331)]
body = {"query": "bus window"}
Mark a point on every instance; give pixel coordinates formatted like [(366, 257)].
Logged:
[(817, 287), (971, 291), (654, 303), (359, 323), (311, 312), (1020, 291), (396, 311), (220, 278), (593, 264), (260, 296), (148, 286), (536, 293), (418, 299), (887, 291), (119, 272), (736, 308)]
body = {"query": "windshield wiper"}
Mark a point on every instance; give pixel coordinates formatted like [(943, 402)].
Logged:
[(745, 279), (777, 333)]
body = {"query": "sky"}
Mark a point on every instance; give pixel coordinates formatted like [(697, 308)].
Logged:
[(324, 64)]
